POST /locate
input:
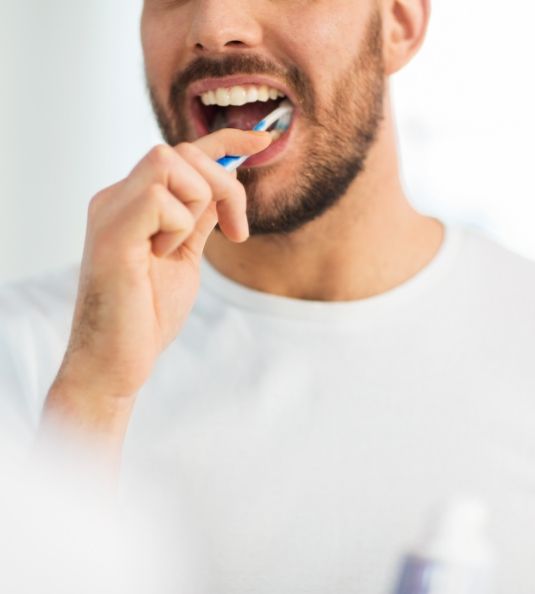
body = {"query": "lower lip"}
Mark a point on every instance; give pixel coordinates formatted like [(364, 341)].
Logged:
[(274, 150)]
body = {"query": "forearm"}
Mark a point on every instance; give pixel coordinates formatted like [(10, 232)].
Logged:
[(90, 418)]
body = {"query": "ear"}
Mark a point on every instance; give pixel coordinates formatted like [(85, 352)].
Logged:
[(404, 26)]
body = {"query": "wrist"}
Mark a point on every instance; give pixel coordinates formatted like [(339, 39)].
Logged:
[(88, 409)]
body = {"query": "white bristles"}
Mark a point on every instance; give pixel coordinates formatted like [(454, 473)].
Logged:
[(284, 110)]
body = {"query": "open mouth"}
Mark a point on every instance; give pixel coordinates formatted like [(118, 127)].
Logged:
[(240, 107)]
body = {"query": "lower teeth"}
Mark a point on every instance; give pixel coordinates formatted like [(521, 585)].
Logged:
[(275, 134)]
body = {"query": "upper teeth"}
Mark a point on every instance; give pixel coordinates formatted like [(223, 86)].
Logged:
[(240, 95)]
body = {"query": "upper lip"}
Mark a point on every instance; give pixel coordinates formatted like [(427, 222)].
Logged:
[(210, 84)]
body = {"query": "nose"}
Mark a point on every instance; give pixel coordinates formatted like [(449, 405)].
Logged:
[(221, 25)]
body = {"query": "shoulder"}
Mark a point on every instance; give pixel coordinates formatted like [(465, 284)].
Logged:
[(494, 271), (488, 307), (482, 248), (46, 294), (37, 310), (35, 318)]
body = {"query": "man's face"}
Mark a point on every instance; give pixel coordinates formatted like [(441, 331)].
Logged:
[(326, 55)]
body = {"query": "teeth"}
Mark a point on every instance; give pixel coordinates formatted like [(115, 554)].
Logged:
[(222, 98), (252, 95), (240, 95), (263, 93), (275, 134)]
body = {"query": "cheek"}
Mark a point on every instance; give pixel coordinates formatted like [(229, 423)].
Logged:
[(324, 40), (161, 43)]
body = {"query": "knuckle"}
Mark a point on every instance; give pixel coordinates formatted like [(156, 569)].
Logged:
[(95, 203), (181, 148), (189, 152), (93, 206), (187, 149), (161, 155), (155, 194)]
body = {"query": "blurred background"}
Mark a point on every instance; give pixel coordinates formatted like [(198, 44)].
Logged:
[(75, 118)]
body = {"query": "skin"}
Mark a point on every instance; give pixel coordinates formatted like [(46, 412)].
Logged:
[(147, 233), (371, 239)]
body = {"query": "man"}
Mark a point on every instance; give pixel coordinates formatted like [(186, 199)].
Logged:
[(347, 362)]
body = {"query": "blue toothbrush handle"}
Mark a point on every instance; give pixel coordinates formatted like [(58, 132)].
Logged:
[(228, 160), (283, 112), (233, 162)]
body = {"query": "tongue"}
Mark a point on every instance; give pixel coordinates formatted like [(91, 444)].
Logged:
[(246, 116)]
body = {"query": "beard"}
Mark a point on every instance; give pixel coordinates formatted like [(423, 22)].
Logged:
[(336, 139)]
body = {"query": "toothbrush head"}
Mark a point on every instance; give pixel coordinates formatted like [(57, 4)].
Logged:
[(284, 111), (281, 117), (283, 123)]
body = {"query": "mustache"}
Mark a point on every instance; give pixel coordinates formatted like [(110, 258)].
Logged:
[(234, 64)]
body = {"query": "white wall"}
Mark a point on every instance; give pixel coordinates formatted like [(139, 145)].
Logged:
[(466, 119), (74, 118)]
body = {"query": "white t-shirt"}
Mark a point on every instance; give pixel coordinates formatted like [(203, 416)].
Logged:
[(308, 442)]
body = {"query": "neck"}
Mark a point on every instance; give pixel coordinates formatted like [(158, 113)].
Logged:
[(370, 242)]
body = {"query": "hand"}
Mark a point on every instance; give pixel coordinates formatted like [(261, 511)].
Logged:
[(140, 268)]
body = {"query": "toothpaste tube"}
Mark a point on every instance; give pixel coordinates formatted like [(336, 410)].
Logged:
[(456, 559)]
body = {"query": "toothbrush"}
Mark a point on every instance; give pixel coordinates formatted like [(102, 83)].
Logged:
[(282, 115)]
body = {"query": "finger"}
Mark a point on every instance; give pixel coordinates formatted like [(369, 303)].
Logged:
[(230, 141), (164, 166), (227, 191), (158, 215)]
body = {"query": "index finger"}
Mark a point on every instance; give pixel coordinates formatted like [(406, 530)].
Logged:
[(231, 141)]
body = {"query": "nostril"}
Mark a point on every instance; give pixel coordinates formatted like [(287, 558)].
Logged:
[(200, 46)]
